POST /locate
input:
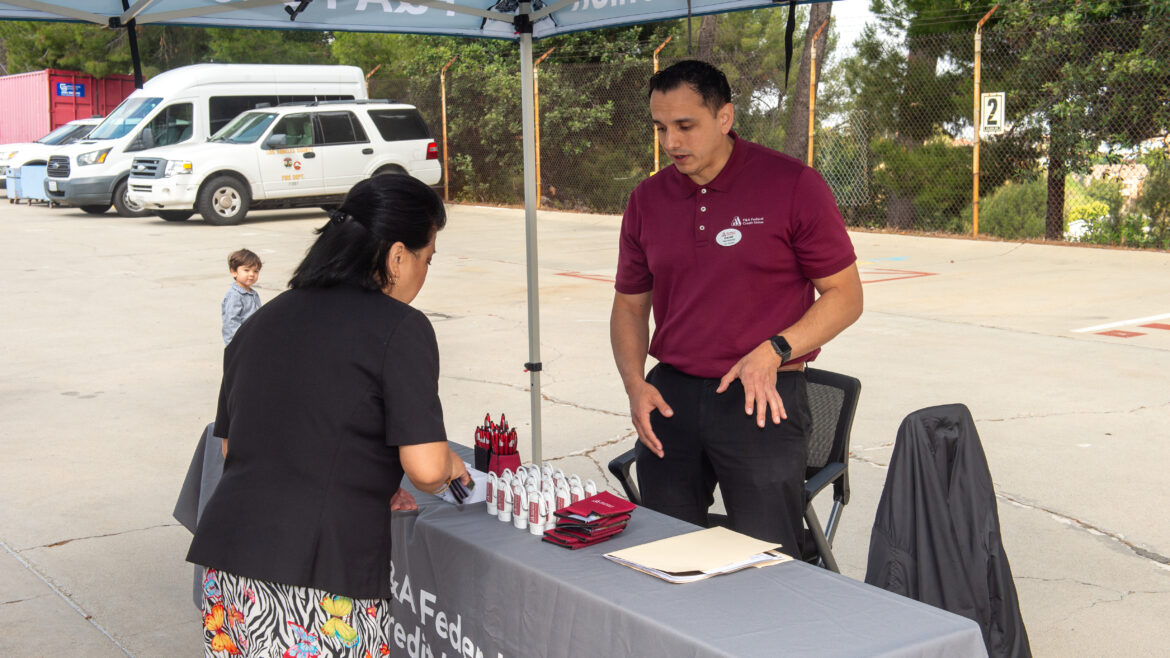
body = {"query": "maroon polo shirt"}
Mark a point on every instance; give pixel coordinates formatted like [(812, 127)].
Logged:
[(730, 263)]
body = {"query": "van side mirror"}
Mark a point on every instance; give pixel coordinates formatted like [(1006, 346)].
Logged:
[(277, 141)]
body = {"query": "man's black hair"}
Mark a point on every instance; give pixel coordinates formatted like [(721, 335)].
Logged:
[(707, 81)]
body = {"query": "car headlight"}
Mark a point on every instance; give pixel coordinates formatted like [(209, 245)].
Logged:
[(177, 167), (6, 155), (93, 157)]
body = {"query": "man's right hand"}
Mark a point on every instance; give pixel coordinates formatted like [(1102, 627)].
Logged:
[(644, 398)]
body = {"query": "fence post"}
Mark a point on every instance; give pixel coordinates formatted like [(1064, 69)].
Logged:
[(812, 88), (368, 76), (656, 51), (443, 106), (977, 122), (536, 113)]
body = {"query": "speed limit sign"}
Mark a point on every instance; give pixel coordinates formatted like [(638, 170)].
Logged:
[(991, 121)]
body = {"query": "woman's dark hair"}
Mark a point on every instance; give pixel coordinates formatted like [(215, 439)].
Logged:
[(352, 248), (707, 81)]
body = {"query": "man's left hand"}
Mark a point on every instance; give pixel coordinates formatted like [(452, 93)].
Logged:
[(757, 372)]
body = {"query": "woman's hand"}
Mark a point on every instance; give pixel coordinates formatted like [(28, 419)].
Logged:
[(458, 468), (402, 501)]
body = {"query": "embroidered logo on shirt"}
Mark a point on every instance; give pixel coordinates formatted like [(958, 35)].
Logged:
[(746, 221), (728, 237)]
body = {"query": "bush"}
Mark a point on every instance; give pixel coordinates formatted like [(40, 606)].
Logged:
[(1013, 211), (1154, 197)]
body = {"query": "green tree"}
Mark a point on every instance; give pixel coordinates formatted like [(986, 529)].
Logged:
[(269, 46), (98, 51), (1085, 76)]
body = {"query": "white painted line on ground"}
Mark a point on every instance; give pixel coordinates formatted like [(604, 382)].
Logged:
[(1122, 323)]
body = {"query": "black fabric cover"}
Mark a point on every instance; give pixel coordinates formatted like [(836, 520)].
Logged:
[(936, 533)]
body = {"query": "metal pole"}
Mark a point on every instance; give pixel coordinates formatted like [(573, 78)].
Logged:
[(132, 36), (443, 104), (656, 51), (812, 88), (977, 122), (528, 121), (536, 115), (370, 75)]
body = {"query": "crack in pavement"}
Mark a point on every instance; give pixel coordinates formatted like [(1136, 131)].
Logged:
[(64, 597), (1076, 413), (588, 452), (543, 396), (1159, 559), (110, 534)]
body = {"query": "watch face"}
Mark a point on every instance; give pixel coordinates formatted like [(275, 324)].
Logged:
[(781, 346)]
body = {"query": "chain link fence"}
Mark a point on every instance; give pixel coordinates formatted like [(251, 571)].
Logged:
[(1081, 153)]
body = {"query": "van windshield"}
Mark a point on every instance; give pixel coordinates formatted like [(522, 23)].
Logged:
[(67, 133), (125, 117), (244, 129)]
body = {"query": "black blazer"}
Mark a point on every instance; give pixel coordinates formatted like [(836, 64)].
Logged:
[(320, 387)]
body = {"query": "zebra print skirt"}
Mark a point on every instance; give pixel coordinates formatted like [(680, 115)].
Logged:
[(255, 618)]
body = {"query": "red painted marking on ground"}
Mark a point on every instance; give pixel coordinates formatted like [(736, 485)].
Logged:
[(1118, 333), (590, 277), (1156, 325), (892, 275)]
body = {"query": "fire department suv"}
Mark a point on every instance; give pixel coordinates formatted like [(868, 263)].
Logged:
[(301, 154)]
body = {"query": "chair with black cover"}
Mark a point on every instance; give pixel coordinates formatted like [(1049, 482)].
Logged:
[(832, 399)]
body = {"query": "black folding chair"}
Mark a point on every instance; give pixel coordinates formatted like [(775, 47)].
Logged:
[(833, 401)]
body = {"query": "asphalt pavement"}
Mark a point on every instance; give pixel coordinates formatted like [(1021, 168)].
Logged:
[(111, 364)]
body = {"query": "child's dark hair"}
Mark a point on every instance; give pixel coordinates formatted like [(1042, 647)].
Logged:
[(707, 81), (243, 258), (353, 247)]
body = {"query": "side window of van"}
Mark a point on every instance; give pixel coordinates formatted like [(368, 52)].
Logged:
[(170, 126), (292, 131), (341, 128), (222, 109), (396, 125)]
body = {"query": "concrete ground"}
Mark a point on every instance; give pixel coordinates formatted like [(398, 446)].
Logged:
[(111, 364)]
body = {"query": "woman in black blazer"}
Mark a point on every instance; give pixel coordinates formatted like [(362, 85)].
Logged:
[(329, 396)]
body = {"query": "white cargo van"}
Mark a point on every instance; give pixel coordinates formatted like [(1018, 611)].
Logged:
[(183, 105)]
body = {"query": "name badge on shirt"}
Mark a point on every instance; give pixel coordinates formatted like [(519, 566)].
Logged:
[(728, 237)]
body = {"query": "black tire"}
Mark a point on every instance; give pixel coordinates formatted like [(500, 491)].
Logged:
[(125, 207), (175, 215), (223, 201), (95, 210)]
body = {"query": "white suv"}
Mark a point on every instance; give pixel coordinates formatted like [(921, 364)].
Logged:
[(301, 154)]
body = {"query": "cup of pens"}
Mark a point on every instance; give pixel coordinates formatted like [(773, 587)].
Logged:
[(496, 446)]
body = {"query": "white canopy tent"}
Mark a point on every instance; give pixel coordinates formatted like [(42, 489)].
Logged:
[(514, 20)]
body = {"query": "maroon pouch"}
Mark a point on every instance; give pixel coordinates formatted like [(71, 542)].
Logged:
[(588, 535), (571, 542), (597, 506), (596, 526)]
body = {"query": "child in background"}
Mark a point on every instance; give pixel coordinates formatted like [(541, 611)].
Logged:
[(240, 301)]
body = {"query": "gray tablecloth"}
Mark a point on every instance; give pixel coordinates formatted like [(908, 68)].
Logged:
[(514, 595), (467, 584)]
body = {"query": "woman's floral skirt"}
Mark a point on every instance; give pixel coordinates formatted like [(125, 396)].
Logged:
[(255, 618)]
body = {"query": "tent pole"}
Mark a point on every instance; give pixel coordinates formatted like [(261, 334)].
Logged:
[(132, 35), (528, 116)]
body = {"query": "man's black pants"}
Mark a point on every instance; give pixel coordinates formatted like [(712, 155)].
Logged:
[(710, 440)]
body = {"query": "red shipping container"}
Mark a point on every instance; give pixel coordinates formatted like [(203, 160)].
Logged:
[(33, 104)]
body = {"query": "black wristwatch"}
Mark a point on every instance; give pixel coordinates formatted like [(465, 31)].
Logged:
[(782, 348)]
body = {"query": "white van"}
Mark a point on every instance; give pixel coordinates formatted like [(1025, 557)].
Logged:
[(183, 105)]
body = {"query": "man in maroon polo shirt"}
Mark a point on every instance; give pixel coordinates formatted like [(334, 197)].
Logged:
[(729, 248)]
